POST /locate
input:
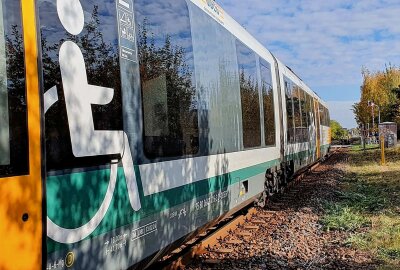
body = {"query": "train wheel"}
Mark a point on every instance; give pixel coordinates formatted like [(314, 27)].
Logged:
[(262, 200), (282, 179), (271, 182)]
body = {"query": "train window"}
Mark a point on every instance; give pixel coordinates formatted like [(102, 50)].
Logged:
[(13, 113), (304, 118), (309, 109), (217, 82), (328, 118), (325, 117), (167, 78), (4, 123), (289, 110), (296, 94), (98, 45), (322, 115), (249, 96), (268, 102)]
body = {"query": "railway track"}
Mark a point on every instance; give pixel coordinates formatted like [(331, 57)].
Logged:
[(241, 229)]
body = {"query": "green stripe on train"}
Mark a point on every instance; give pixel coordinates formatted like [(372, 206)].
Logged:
[(73, 199)]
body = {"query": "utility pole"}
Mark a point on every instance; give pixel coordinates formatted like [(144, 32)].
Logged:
[(372, 105), (373, 118)]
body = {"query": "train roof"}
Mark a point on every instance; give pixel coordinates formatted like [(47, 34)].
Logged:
[(223, 18)]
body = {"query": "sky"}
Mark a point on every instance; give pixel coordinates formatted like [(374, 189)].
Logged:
[(326, 43)]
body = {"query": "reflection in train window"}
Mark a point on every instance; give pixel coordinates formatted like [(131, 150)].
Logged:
[(98, 43), (309, 109), (304, 118), (167, 78), (297, 112), (4, 121), (289, 110), (217, 83), (249, 96), (268, 102), (13, 118)]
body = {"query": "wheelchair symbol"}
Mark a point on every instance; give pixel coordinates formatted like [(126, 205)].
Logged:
[(86, 141)]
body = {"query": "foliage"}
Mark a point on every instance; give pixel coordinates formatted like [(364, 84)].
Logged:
[(250, 109), (338, 132), (360, 147), (368, 205), (342, 218), (382, 88), (15, 63), (101, 58), (166, 62)]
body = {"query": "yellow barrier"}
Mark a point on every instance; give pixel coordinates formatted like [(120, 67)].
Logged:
[(382, 141)]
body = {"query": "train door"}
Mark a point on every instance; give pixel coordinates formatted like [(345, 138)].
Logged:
[(317, 128), (21, 222)]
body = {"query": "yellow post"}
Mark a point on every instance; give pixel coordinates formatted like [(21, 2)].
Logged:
[(383, 160)]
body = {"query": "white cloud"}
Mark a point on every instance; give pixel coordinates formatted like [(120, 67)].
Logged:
[(325, 42)]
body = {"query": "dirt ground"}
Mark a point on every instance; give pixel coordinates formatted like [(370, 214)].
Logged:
[(292, 236)]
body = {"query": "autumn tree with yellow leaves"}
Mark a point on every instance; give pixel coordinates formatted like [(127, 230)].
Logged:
[(383, 89)]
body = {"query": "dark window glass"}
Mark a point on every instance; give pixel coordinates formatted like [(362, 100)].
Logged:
[(13, 118), (167, 78), (326, 117), (310, 110), (304, 118), (249, 96), (329, 118), (296, 95), (289, 111), (268, 102), (98, 43), (321, 115), (307, 108), (312, 116)]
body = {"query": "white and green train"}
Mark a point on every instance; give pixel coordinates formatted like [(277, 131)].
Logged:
[(159, 117)]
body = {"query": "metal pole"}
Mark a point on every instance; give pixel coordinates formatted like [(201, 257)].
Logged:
[(379, 116), (363, 136), (383, 159), (373, 119)]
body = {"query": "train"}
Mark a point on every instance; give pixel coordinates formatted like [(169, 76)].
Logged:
[(127, 126)]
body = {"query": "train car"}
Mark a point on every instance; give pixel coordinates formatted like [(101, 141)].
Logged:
[(128, 126)]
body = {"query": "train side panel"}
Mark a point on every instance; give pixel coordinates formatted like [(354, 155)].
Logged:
[(162, 151)]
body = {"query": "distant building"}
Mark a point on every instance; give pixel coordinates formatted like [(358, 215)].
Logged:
[(354, 132)]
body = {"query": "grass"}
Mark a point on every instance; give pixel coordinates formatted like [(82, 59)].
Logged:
[(343, 218), (367, 147), (368, 205)]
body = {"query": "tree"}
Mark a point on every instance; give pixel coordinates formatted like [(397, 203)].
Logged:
[(102, 68), (169, 96), (362, 113), (338, 132), (381, 87)]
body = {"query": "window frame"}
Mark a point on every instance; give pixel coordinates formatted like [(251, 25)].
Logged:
[(264, 63), (290, 129), (17, 97), (153, 156), (257, 88)]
